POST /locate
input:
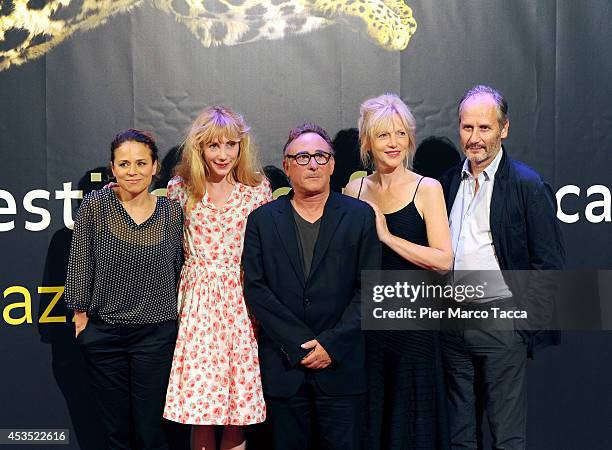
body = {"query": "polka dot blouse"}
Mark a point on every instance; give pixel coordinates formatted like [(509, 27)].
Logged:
[(121, 272)]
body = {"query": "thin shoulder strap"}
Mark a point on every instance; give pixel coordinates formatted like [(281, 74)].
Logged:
[(417, 188), (360, 186)]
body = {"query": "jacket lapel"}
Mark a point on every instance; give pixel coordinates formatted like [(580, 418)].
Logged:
[(498, 199), (332, 214), (453, 188), (285, 227)]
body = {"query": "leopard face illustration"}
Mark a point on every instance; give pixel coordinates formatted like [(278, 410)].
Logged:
[(30, 28)]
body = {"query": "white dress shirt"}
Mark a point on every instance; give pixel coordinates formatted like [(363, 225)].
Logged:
[(471, 231)]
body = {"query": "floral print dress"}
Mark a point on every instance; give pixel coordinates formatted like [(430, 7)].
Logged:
[(215, 376)]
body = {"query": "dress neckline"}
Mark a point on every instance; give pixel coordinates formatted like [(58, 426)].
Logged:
[(410, 203), (232, 198)]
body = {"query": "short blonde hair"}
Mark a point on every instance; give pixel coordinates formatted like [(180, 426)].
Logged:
[(376, 114), (216, 122)]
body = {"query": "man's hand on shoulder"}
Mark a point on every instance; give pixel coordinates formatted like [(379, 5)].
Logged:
[(317, 358)]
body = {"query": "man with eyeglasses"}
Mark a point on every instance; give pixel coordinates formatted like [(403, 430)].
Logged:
[(303, 257)]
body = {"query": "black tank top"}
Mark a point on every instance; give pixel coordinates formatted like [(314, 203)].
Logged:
[(407, 224)]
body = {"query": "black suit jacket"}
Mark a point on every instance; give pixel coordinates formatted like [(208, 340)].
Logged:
[(326, 306), (526, 236)]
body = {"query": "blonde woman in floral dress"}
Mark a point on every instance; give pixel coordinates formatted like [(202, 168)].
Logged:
[(215, 377)]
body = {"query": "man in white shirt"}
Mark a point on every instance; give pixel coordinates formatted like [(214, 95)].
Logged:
[(502, 216)]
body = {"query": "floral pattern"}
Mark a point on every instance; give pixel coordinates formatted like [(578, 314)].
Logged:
[(215, 377)]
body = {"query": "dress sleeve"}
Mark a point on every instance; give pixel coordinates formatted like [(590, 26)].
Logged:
[(177, 240), (81, 263), (177, 191), (265, 192)]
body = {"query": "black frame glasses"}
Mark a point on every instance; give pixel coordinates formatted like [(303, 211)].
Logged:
[(303, 158)]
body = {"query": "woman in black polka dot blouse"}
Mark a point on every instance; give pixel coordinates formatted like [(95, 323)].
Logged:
[(124, 265)]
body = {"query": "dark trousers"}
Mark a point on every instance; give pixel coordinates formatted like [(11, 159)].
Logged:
[(129, 367), (334, 421), (486, 372)]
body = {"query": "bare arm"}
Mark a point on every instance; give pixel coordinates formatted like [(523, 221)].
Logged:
[(352, 188)]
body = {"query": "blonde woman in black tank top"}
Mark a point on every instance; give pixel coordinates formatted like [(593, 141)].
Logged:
[(406, 393)]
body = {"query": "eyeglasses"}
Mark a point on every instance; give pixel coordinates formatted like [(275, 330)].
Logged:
[(303, 159)]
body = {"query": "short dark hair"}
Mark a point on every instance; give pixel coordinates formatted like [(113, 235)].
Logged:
[(498, 98), (308, 127), (134, 135)]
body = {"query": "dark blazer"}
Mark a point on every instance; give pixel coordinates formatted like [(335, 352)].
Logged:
[(526, 235), (326, 306)]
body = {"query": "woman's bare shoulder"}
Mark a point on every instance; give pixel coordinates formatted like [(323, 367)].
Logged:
[(429, 185), (353, 187)]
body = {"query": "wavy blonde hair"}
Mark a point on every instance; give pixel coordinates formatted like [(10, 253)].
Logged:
[(375, 115), (216, 122)]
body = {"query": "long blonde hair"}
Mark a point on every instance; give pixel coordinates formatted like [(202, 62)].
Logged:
[(376, 114), (216, 122)]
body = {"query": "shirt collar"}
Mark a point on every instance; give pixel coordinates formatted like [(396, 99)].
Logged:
[(489, 171)]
